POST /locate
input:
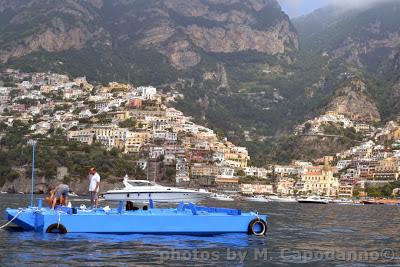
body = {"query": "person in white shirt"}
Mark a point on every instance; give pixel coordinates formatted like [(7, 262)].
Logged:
[(94, 187)]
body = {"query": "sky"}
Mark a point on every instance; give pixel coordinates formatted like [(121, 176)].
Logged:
[(296, 8)]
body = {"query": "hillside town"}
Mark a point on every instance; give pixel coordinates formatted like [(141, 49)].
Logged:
[(142, 122), (374, 162), (316, 125)]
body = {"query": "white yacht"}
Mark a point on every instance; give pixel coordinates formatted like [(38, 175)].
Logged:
[(314, 200), (222, 197), (273, 198), (256, 199), (342, 201), (144, 190)]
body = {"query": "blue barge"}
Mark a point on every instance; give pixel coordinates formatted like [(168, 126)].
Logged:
[(184, 219)]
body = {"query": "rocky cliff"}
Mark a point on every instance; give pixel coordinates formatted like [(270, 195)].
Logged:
[(31, 26), (351, 100), (180, 30)]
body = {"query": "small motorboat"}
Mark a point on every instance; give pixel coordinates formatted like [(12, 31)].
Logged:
[(381, 202), (222, 197), (143, 190), (342, 201), (3, 192), (313, 200), (256, 199), (184, 219), (282, 199), (73, 194)]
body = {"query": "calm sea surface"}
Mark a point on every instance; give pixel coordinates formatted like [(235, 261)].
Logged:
[(299, 234)]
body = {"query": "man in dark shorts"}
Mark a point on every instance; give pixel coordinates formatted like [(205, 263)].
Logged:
[(60, 193), (94, 187)]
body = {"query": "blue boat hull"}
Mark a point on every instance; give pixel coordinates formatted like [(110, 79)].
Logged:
[(192, 220), (25, 219)]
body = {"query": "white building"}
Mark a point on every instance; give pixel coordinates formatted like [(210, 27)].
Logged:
[(41, 127), (102, 105), (174, 115), (342, 164), (85, 114), (285, 170), (4, 90), (34, 110), (182, 170), (164, 135), (256, 172), (156, 151), (4, 98), (26, 84), (255, 189), (218, 156), (83, 136), (142, 164), (146, 92)]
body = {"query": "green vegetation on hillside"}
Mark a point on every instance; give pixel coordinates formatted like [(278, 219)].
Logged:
[(382, 191), (53, 152), (350, 133)]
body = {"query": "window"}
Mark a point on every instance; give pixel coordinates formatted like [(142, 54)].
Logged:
[(134, 183)]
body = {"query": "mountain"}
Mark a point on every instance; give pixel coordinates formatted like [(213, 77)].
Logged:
[(230, 58), (244, 68), (312, 25), (364, 37), (120, 37), (347, 62), (362, 42)]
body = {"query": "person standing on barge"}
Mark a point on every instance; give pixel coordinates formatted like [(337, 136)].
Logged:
[(94, 187)]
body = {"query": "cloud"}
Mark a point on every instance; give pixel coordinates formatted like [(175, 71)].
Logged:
[(292, 2), (342, 3), (356, 3), (300, 7)]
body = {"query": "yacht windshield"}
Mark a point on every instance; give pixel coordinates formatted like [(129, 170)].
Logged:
[(137, 183)]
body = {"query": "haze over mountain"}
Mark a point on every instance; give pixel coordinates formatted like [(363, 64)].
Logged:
[(365, 40), (243, 66)]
